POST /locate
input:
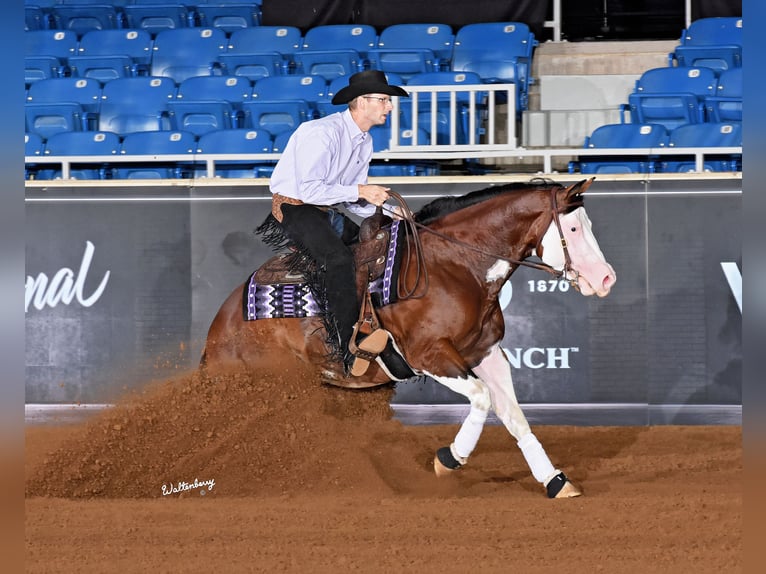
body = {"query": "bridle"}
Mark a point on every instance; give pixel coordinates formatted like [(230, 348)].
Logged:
[(569, 273)]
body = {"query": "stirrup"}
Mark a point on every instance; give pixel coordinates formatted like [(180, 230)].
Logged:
[(367, 350)]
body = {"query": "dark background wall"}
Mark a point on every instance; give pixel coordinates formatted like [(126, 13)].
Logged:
[(669, 333), (581, 19)]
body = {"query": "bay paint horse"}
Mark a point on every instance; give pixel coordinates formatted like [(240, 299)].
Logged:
[(452, 329)]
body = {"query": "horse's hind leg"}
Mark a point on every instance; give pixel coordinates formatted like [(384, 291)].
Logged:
[(495, 371)]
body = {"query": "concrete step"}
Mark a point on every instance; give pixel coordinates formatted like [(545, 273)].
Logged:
[(585, 58)]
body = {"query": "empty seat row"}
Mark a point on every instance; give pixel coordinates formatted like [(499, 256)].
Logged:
[(81, 16), (677, 96), (498, 52), (656, 136), (200, 104), (181, 143)]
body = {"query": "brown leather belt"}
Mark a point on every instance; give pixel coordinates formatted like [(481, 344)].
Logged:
[(276, 204), (277, 201)]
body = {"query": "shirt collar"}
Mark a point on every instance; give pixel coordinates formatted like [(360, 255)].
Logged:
[(356, 134)]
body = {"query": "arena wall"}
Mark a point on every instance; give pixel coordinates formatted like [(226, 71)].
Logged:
[(123, 281)]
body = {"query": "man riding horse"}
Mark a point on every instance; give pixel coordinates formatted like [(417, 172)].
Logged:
[(325, 164)]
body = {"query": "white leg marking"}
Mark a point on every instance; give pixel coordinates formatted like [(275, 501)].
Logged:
[(470, 430), (495, 371)]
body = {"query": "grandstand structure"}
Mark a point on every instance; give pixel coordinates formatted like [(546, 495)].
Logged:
[(210, 90)]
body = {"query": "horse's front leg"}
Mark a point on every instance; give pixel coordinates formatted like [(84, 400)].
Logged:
[(455, 455), (495, 372)]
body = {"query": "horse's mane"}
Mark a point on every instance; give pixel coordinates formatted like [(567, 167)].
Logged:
[(442, 206)]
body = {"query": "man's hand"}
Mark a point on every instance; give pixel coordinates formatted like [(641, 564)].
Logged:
[(374, 194)]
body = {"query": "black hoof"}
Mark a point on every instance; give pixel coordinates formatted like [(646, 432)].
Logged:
[(444, 454), (555, 484)]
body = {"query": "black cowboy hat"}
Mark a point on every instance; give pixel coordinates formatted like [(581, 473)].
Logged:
[(367, 82)]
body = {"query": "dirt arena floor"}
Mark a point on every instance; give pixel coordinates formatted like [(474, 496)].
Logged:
[(263, 474)]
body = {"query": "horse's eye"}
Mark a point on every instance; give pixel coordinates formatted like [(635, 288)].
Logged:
[(573, 229)]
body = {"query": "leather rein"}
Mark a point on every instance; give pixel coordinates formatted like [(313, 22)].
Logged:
[(421, 271)]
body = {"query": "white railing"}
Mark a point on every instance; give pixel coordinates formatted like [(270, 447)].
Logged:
[(545, 157), (490, 110)]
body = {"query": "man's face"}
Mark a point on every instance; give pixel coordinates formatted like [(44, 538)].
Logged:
[(375, 108)]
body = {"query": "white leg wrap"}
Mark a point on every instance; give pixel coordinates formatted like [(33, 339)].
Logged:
[(469, 433), (538, 461)]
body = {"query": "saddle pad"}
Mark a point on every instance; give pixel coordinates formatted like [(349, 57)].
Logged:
[(383, 289), (278, 301)]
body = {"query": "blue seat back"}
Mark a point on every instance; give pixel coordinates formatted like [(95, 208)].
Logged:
[(83, 91), (238, 141), (33, 144), (60, 44), (83, 143), (136, 104), (672, 96), (711, 42), (408, 49), (206, 103), (136, 44), (62, 104), (81, 18), (187, 52), (705, 135), (155, 18), (726, 105), (624, 136), (228, 15), (156, 143), (497, 51), (335, 50), (308, 88)]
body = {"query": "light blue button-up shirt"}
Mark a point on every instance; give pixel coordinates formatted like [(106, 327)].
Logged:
[(323, 163)]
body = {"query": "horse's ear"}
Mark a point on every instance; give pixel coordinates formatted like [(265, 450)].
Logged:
[(579, 187)]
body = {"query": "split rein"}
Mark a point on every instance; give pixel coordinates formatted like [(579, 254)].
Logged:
[(421, 271)]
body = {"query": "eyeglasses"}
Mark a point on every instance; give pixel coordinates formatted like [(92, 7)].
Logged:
[(383, 101)]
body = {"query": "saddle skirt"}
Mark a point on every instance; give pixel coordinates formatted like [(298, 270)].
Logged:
[(278, 290)]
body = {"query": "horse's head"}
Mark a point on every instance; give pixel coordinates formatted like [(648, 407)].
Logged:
[(589, 271)]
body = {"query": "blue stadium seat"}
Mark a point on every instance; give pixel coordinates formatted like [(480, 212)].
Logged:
[(711, 42), (136, 104), (499, 52), (282, 103), (156, 143), (239, 141), (381, 137), (109, 54), (34, 146), (61, 105), (622, 136), (46, 53), (261, 51), (705, 135), (672, 96), (155, 16), (280, 141), (36, 18), (726, 105), (228, 15), (81, 16), (206, 103), (336, 50), (408, 49), (445, 122), (83, 144), (187, 52)]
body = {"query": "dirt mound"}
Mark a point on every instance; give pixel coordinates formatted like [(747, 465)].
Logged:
[(264, 433)]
